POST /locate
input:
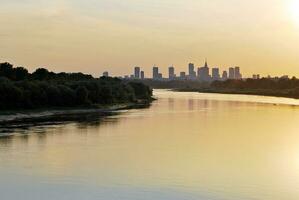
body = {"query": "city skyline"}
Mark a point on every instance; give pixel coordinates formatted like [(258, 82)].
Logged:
[(163, 70), (94, 36), (193, 72)]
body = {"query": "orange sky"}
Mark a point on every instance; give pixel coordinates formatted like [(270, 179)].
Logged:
[(114, 35)]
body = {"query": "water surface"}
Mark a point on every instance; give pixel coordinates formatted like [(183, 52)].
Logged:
[(185, 146)]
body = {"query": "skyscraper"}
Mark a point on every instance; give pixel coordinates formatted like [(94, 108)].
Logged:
[(204, 72), (238, 75), (171, 73), (224, 75), (155, 73), (137, 72), (231, 73), (192, 73), (142, 75), (215, 74)]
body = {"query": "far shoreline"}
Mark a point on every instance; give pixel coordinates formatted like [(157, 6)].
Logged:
[(264, 93)]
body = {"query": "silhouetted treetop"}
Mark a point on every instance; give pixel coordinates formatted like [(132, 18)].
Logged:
[(20, 89)]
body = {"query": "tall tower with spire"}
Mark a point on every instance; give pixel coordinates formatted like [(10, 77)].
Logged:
[(204, 72), (206, 63)]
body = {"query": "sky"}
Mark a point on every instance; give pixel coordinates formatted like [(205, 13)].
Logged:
[(93, 36)]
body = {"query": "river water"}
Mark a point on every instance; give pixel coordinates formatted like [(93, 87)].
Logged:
[(185, 146)]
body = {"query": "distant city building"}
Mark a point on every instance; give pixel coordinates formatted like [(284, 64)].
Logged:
[(238, 75), (255, 76), (105, 74), (215, 74), (192, 73), (155, 73), (204, 73), (142, 75), (171, 73), (160, 76), (137, 72), (224, 75), (183, 75), (231, 73)]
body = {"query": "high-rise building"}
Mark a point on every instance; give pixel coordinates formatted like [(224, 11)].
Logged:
[(183, 75), (105, 74), (238, 75), (192, 73), (204, 73), (191, 68), (224, 75), (137, 72), (171, 73), (231, 73), (215, 74), (160, 76), (155, 73), (142, 75)]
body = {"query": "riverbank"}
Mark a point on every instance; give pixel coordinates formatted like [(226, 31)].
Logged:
[(64, 113), (259, 92)]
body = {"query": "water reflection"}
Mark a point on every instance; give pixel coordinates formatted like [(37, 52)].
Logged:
[(41, 125), (184, 146)]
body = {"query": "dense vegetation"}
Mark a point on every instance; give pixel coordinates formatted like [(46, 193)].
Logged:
[(20, 89), (281, 87)]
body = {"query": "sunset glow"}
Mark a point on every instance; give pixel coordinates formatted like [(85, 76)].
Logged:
[(294, 9), (94, 36)]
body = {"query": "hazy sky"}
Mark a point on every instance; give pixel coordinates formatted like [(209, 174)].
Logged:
[(260, 36)]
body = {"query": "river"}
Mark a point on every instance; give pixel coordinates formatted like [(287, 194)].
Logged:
[(185, 146)]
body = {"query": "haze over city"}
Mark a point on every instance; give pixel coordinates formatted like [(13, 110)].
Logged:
[(63, 35)]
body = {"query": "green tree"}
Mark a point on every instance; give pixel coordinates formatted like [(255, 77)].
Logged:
[(82, 95), (20, 73), (40, 74)]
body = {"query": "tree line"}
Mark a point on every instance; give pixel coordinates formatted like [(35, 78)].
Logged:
[(20, 89), (284, 87)]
